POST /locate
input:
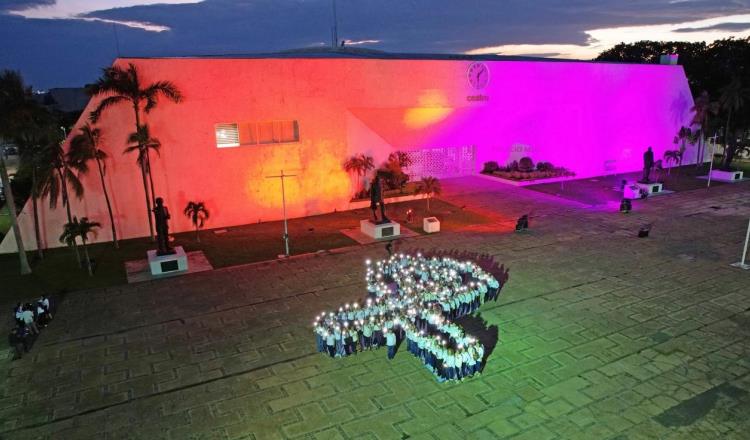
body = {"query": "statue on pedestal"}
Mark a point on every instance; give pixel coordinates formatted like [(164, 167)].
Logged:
[(648, 163), (376, 197), (161, 215)]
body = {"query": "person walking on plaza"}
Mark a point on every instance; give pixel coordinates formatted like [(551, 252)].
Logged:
[(17, 341), (28, 319)]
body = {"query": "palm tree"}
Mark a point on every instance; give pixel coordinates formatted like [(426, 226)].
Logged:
[(198, 214), (141, 141), (684, 136), (403, 159), (733, 97), (33, 140), (74, 229), (703, 109), (54, 179), (430, 186), (123, 85), (672, 156), (14, 102), (360, 165), (84, 147)]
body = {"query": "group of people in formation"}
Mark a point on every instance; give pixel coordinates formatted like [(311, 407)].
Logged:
[(29, 318), (414, 298)]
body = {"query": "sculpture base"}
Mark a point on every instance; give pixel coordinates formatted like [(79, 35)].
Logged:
[(634, 190), (726, 176), (380, 230), (164, 264)]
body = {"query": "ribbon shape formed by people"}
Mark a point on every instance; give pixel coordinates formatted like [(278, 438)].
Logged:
[(414, 299)]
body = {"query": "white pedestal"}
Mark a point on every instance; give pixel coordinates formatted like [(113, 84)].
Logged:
[(164, 264), (431, 224), (633, 189), (631, 192), (650, 188), (726, 176), (379, 231)]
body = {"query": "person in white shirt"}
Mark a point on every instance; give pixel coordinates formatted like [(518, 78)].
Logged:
[(28, 319)]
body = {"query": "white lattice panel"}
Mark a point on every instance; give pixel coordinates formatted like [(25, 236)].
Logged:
[(442, 162)]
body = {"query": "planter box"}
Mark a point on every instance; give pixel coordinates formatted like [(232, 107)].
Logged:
[(431, 225), (726, 176), (359, 204), (526, 182)]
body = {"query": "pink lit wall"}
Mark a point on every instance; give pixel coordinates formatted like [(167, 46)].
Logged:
[(591, 118)]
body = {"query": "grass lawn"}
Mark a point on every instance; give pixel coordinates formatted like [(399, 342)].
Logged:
[(58, 272), (4, 221)]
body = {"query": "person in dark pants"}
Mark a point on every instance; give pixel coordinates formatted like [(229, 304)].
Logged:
[(648, 163), (376, 197), (390, 341), (17, 339)]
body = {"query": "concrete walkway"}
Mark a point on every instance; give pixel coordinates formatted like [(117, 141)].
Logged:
[(601, 335)]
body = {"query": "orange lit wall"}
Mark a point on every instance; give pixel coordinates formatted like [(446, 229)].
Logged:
[(350, 106)]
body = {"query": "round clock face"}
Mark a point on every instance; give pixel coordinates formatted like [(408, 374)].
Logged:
[(479, 75)]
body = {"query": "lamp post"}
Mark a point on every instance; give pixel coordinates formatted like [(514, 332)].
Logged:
[(283, 204)]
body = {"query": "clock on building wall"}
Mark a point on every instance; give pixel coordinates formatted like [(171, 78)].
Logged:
[(479, 75)]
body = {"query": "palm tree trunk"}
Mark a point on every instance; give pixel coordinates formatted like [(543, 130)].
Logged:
[(66, 202), (109, 205), (86, 255), (143, 174), (727, 136), (148, 201), (23, 260), (197, 234), (37, 234), (150, 178)]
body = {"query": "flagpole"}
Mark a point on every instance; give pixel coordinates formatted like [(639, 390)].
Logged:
[(283, 204)]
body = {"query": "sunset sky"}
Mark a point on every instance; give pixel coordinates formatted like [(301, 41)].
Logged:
[(64, 43)]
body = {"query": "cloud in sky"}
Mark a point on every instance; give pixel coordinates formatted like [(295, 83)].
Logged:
[(83, 10), (602, 39), (65, 43)]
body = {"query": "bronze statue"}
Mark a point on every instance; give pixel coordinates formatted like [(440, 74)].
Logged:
[(376, 197), (648, 163), (161, 215)]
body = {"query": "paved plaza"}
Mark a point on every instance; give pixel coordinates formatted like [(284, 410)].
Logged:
[(601, 335)]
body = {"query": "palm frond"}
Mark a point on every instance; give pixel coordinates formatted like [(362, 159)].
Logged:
[(105, 104)]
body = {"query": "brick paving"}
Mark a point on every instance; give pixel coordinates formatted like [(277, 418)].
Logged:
[(601, 335)]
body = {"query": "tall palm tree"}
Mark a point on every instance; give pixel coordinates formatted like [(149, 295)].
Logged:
[(55, 177), (80, 228), (430, 186), (403, 159), (198, 214), (360, 165), (683, 137), (703, 109), (84, 147), (124, 85), (142, 142), (733, 97), (33, 140), (14, 101)]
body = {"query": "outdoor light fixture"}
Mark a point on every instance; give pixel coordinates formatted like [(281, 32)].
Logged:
[(522, 223)]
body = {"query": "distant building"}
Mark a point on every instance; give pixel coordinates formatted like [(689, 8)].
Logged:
[(66, 100), (246, 118)]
